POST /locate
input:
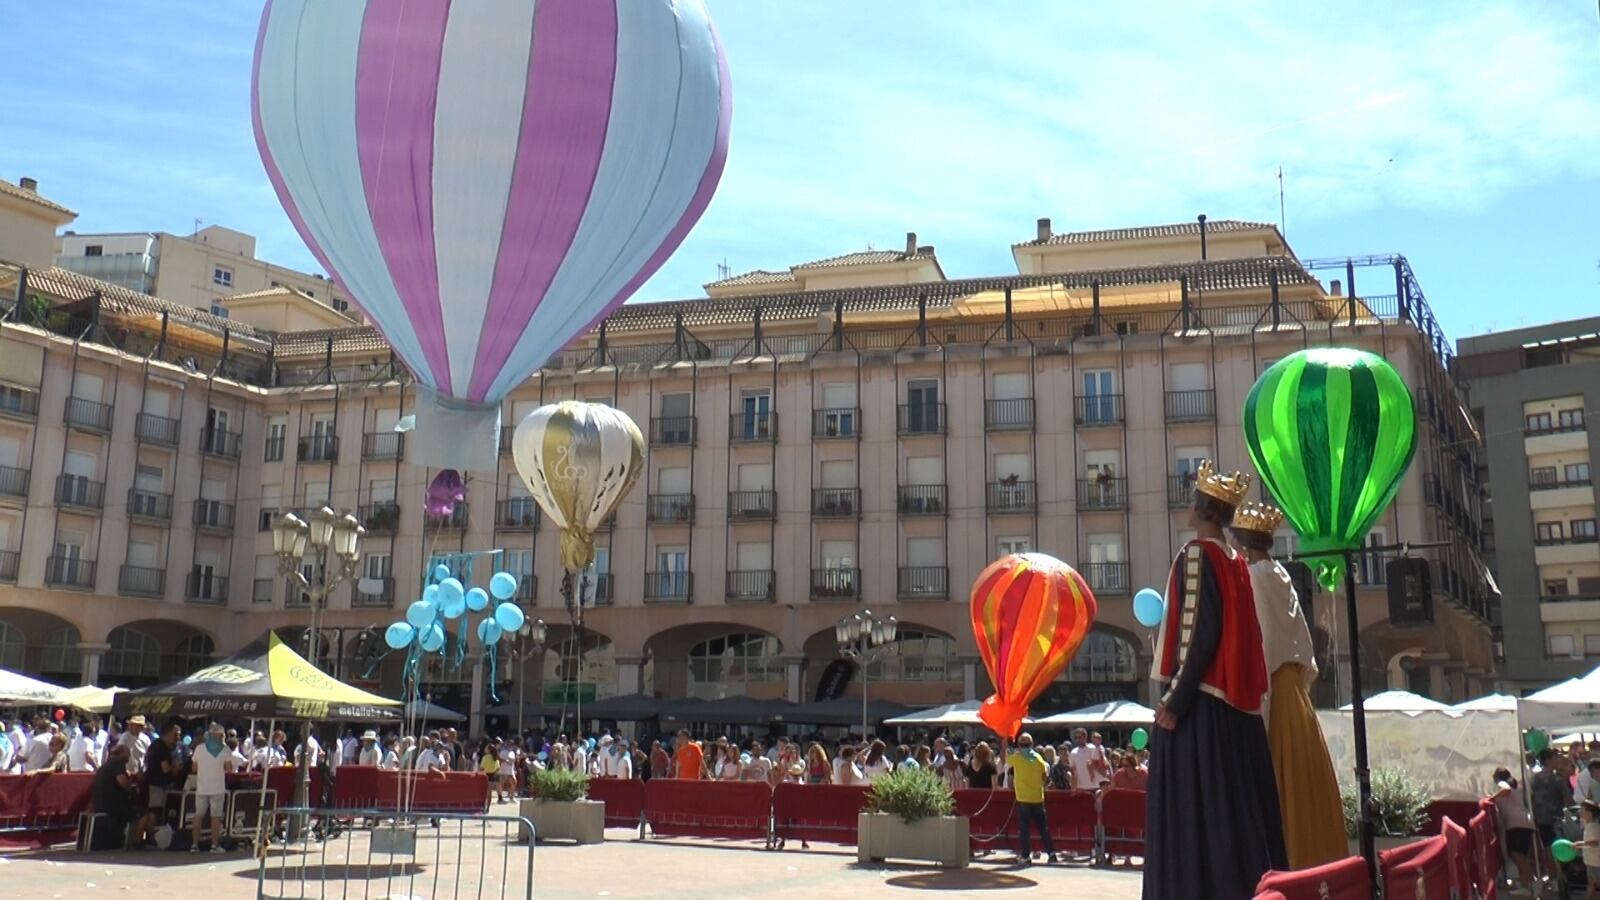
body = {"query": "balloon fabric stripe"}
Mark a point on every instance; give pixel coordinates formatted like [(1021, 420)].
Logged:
[(1357, 456), (1011, 601), (984, 597), (1336, 393)]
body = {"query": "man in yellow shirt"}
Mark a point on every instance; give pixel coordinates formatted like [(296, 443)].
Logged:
[(1029, 774)]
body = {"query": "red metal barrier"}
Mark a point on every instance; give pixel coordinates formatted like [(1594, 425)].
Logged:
[(283, 779), (1458, 845), (623, 797), (1427, 874), (718, 809), (1486, 852), (1342, 880), (1461, 811), (1074, 819), (991, 817), (1122, 814), (368, 787), (817, 812), (1395, 861), (40, 810)]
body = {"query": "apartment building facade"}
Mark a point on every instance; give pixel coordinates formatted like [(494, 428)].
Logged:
[(1533, 391), (846, 441)]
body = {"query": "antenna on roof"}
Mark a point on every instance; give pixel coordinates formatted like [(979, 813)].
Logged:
[(197, 225), (722, 269), (1283, 228)]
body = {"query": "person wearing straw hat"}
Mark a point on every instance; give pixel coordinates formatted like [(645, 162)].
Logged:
[(370, 753)]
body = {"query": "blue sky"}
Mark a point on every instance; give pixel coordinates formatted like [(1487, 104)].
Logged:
[(1464, 135)]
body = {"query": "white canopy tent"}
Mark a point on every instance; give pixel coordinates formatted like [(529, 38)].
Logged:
[(1399, 701), (19, 689), (1491, 703), (1572, 704), (89, 698), (951, 714), (1116, 714)]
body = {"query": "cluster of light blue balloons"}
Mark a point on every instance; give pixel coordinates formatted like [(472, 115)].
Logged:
[(447, 598), (1148, 607)]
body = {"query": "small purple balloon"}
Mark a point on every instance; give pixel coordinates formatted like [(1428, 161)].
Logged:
[(445, 492)]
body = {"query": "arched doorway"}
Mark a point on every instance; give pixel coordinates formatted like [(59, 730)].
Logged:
[(561, 680), (1105, 668), (41, 645), (921, 668), (712, 660), (152, 651)]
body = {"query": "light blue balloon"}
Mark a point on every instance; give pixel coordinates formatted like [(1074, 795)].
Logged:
[(477, 599), (441, 572), (422, 613), (503, 585), (488, 631), (433, 639), (400, 635), (454, 608), (431, 593), (509, 617), (450, 590), (1148, 607)]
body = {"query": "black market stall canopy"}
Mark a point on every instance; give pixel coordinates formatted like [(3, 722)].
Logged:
[(265, 680), (425, 711), (842, 711), (735, 710)]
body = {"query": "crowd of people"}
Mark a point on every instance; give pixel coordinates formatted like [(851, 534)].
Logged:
[(1533, 818)]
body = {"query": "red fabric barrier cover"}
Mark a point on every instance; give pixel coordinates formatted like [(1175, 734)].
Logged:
[(1342, 880), (1458, 846), (623, 797), (994, 825), (1426, 875), (1122, 814), (817, 812), (40, 810), (718, 809), (1393, 862), (1074, 817), (283, 780), (368, 787), (1461, 811)]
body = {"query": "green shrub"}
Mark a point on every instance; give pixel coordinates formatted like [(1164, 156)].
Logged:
[(560, 785), (911, 794), (1399, 804)]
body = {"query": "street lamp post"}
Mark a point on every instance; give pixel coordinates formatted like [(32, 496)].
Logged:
[(326, 534), (862, 637), (530, 639)]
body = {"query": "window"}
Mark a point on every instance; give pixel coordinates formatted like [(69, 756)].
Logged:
[(219, 310), (1555, 587), (1559, 645), (1373, 566), (1099, 397), (277, 428), (133, 654), (1537, 422), (194, 653), (1103, 657), (922, 406), (94, 250), (724, 665), (916, 656), (377, 565), (591, 579), (1591, 645), (1576, 473), (1583, 528), (1542, 475), (340, 304), (12, 646), (60, 652), (1547, 531), (1570, 418), (222, 276), (1008, 545), (1588, 586), (756, 419)]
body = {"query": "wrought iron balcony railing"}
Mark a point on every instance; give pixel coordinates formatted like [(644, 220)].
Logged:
[(924, 582)]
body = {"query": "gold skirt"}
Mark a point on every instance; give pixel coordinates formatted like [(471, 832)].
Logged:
[(1308, 791)]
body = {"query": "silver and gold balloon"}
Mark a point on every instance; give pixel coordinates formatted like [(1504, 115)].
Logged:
[(578, 460)]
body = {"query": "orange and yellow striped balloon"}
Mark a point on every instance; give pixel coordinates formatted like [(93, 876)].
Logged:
[(1030, 614)]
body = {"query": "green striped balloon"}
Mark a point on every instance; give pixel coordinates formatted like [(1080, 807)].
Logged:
[(1332, 431)]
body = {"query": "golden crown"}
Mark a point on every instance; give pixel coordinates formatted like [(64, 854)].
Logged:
[(1262, 517), (1230, 489)]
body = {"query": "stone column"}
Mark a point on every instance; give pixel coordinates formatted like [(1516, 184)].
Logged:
[(475, 717), (794, 668), (969, 677), (90, 656), (630, 675)]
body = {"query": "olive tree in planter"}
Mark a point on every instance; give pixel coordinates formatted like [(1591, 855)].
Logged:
[(908, 817), (1399, 809), (560, 810)]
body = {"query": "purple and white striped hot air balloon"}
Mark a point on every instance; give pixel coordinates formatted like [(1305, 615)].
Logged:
[(489, 178)]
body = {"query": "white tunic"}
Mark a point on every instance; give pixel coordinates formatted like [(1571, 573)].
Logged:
[(1285, 633)]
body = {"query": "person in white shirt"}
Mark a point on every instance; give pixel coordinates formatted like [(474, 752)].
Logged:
[(580, 756), (845, 770), (82, 754), (350, 748), (614, 761), (212, 762), (137, 741), (241, 762), (369, 754), (1088, 762), (429, 759), (755, 766), (36, 756), (1588, 785), (19, 743), (391, 755), (7, 753)]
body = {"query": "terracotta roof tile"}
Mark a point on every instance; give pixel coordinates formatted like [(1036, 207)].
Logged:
[(1180, 229), (754, 276), (71, 286), (15, 190), (864, 258)]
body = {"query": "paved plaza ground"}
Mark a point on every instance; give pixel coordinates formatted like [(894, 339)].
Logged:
[(621, 867)]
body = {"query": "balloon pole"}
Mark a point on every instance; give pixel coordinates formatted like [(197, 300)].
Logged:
[(1358, 717)]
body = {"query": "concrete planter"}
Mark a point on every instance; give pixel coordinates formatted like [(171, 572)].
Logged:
[(944, 841), (581, 821)]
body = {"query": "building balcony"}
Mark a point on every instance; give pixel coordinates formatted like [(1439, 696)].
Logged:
[(672, 431), (69, 572), (213, 515), (455, 521), (1003, 497), (750, 584), (668, 587), (758, 427), (1555, 427), (835, 503), (603, 588), (1565, 439), (923, 582), (17, 402), (78, 492), (1560, 494), (373, 593), (149, 506), (1569, 608), (382, 517), (1180, 490), (10, 562), (752, 505), (1566, 551), (516, 514), (14, 481), (921, 500), (1008, 415), (319, 448), (663, 509), (273, 451), (833, 424), (1106, 577), (383, 445), (261, 590), (836, 584), (221, 443), (920, 418), (1102, 493), (138, 581), (1191, 406), (153, 429), (87, 415), (527, 589), (200, 587), (1098, 411)]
